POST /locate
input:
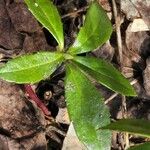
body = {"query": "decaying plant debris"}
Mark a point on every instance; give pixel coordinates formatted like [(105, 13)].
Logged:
[(22, 126), (20, 33)]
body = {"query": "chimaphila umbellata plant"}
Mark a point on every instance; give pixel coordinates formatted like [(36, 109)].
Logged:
[(84, 103)]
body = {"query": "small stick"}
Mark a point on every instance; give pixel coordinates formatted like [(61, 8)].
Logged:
[(120, 49), (110, 98), (118, 32), (34, 97), (72, 14), (116, 94)]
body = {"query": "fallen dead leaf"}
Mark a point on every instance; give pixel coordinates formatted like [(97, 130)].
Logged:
[(21, 123), (71, 141)]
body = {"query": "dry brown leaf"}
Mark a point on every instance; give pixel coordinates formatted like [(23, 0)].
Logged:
[(21, 124)]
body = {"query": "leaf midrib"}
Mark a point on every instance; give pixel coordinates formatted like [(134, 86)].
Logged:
[(50, 23), (77, 87), (29, 68), (104, 75), (80, 46)]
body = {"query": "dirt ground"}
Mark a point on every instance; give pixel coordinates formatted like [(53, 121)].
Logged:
[(23, 125)]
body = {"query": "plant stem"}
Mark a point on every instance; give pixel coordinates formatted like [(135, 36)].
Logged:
[(75, 13), (34, 97)]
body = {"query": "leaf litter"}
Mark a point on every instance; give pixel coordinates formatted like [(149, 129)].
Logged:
[(21, 33)]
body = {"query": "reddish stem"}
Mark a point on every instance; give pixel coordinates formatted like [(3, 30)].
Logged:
[(34, 97)]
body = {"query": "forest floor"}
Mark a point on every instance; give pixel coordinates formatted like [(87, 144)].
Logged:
[(23, 126)]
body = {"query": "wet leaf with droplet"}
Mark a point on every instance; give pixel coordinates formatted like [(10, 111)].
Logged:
[(105, 74), (86, 109), (31, 68), (95, 32), (47, 14)]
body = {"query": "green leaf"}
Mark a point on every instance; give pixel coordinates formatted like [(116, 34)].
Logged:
[(47, 14), (31, 68), (86, 109), (105, 74), (145, 146), (95, 32), (135, 126)]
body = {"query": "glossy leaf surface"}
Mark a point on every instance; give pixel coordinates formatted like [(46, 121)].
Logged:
[(47, 14), (145, 146), (135, 126), (31, 68), (106, 74), (95, 32), (86, 109)]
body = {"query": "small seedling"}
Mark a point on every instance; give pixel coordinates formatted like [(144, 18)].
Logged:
[(84, 103)]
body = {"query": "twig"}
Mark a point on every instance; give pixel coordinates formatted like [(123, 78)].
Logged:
[(73, 14), (118, 32), (119, 43), (34, 97), (116, 94), (111, 98)]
